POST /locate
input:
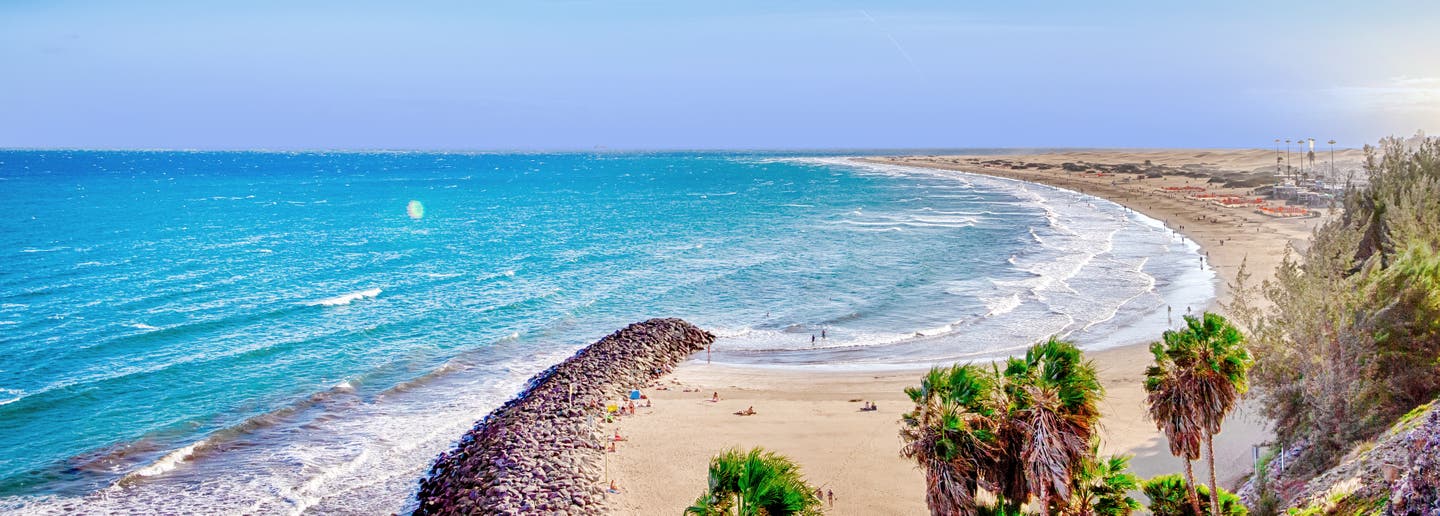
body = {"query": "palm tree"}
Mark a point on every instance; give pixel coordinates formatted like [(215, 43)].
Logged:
[(1102, 486), (755, 483), (1052, 394), (1221, 364), (950, 433), (1198, 376), (1173, 404), (1020, 434)]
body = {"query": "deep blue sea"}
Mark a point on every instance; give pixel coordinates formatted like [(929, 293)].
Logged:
[(196, 332)]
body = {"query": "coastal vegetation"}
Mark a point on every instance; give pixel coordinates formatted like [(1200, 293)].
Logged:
[(1026, 434), (1198, 376), (1103, 486), (1020, 434), (1351, 340), (1172, 495), (755, 483)]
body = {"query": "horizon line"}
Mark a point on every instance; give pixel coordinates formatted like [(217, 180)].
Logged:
[(603, 150)]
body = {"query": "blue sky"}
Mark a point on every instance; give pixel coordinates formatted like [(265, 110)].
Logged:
[(742, 74)]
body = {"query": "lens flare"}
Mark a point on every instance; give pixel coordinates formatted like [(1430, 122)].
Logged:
[(415, 210)]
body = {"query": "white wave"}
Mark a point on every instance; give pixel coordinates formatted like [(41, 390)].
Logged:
[(913, 222), (1115, 310), (347, 298), (1001, 306), (36, 250), (875, 230), (142, 326), (167, 463), (8, 396), (939, 330)]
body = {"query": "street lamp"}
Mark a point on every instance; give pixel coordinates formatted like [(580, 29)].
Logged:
[(1287, 157), (1277, 156), (1333, 174)]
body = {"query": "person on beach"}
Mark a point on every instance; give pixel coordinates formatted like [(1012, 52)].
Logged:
[(715, 397), (812, 339), (831, 495), (822, 333), (614, 489)]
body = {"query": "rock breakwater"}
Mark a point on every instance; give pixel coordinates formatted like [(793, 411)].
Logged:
[(541, 452)]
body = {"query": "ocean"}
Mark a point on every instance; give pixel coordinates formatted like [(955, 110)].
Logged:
[(271, 332)]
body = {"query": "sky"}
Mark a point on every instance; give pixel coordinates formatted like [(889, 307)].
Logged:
[(672, 74)]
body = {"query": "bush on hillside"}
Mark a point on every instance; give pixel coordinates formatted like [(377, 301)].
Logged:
[(1352, 341)]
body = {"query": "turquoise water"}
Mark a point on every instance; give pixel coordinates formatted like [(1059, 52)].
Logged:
[(273, 332)]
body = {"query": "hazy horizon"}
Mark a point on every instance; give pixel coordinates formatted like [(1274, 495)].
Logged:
[(640, 75)]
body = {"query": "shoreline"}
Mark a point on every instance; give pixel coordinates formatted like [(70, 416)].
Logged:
[(539, 451), (813, 416)]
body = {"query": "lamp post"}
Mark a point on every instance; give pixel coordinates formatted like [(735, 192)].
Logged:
[(1333, 174), (1287, 157), (1277, 156)]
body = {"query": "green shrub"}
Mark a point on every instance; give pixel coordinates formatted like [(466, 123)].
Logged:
[(1168, 497)]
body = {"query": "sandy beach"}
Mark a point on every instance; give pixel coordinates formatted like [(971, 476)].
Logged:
[(814, 417)]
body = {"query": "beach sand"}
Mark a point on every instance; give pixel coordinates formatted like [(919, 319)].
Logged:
[(814, 418)]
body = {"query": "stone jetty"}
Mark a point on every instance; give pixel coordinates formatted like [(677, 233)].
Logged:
[(541, 453)]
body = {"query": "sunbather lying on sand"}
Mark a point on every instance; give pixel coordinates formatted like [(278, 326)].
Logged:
[(747, 412)]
